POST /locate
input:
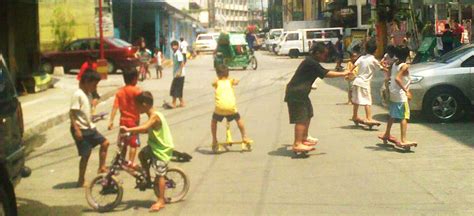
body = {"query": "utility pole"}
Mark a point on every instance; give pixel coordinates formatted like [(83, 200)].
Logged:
[(131, 22)]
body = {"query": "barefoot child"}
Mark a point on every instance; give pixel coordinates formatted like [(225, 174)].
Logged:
[(399, 97), (160, 144), (129, 115), (83, 131), (158, 63), (350, 79), (297, 94), (361, 96), (226, 103), (176, 91)]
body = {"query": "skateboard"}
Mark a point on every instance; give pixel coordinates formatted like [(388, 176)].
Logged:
[(396, 144), (363, 124), (99, 116), (301, 154), (220, 146)]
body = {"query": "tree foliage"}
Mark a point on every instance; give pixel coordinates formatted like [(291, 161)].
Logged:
[(62, 23)]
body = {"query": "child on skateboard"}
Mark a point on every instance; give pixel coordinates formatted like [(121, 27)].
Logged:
[(297, 94), (399, 97), (361, 96), (83, 131), (226, 103), (350, 79), (129, 115), (160, 144)]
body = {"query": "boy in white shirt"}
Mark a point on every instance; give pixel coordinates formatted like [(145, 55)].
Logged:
[(83, 130), (183, 46), (361, 95)]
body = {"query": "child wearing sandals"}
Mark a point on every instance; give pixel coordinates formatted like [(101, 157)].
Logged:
[(399, 97), (226, 103), (350, 79), (160, 145)]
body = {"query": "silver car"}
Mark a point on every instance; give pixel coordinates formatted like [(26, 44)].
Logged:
[(444, 89)]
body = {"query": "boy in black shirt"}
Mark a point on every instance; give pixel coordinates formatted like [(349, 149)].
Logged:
[(297, 94)]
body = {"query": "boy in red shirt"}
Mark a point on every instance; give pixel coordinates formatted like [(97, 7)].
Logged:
[(129, 115)]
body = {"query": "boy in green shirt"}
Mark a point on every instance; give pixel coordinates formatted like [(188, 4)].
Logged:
[(160, 144)]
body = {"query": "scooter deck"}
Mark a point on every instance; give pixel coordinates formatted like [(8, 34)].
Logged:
[(224, 146), (396, 144), (370, 125)]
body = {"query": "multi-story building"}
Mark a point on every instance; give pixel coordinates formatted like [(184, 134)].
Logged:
[(256, 12), (199, 10), (228, 15)]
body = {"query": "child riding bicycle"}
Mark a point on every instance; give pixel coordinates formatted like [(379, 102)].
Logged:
[(160, 144)]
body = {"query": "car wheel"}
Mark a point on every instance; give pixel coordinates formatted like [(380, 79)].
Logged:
[(294, 53), (47, 67), (7, 207), (111, 69), (443, 105)]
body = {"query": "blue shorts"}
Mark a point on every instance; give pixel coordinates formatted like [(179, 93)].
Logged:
[(90, 139), (399, 110)]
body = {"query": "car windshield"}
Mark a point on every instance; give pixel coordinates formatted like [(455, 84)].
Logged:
[(119, 42), (205, 37), (455, 54)]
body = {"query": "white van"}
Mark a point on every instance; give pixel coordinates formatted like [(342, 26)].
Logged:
[(272, 37), (299, 42)]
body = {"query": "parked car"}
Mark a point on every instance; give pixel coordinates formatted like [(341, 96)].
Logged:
[(443, 90), (260, 42), (205, 43), (272, 36), (12, 156), (119, 54), (298, 42), (277, 42)]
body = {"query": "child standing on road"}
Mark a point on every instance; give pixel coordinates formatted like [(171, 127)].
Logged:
[(129, 115), (399, 97), (350, 79), (361, 95), (158, 55), (83, 131), (177, 85), (297, 94), (160, 144), (226, 103)]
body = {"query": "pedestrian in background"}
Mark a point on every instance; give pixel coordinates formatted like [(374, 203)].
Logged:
[(339, 53), (447, 39), (177, 85), (90, 65), (297, 92), (83, 130), (158, 60), (250, 38), (183, 47)]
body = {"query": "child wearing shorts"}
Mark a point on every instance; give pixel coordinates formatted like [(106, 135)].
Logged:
[(399, 97), (226, 103), (160, 145), (350, 79)]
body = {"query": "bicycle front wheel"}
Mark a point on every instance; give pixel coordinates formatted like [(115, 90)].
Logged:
[(177, 185), (104, 193)]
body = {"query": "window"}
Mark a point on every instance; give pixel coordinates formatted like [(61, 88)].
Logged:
[(332, 33), (78, 45), (314, 34), (469, 62), (292, 37)]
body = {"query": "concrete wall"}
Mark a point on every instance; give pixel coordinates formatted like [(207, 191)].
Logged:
[(82, 11)]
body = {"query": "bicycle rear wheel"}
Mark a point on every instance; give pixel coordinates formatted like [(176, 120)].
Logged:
[(104, 193), (177, 185)]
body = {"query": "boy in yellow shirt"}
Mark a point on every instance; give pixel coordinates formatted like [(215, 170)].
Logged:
[(226, 103)]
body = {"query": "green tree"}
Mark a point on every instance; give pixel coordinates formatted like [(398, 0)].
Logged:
[(62, 23)]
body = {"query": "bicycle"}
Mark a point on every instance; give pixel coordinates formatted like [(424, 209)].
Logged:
[(105, 192), (143, 71)]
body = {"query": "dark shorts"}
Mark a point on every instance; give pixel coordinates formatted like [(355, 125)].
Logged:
[(229, 118), (185, 56), (159, 67), (300, 111), (159, 167), (177, 87), (90, 139)]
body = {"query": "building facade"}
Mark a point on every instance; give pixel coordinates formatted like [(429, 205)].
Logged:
[(228, 15)]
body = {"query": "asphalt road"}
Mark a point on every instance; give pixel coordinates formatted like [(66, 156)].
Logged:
[(350, 173)]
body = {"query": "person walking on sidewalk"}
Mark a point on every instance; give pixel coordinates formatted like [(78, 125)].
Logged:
[(177, 85), (83, 131), (183, 47), (129, 115), (399, 97), (158, 59), (300, 108)]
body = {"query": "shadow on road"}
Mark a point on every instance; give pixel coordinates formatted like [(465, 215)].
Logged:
[(208, 151), (33, 207), (388, 147), (285, 151), (66, 185)]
